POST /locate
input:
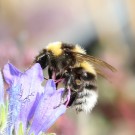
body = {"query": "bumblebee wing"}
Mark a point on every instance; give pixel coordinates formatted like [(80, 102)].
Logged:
[(98, 64)]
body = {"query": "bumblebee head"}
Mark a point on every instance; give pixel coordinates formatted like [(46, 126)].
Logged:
[(43, 58)]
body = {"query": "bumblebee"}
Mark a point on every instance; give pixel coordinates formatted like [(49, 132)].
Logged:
[(76, 70)]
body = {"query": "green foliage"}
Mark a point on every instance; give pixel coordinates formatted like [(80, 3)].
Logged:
[(3, 117), (20, 130)]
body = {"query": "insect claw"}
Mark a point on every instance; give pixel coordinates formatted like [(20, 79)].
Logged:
[(46, 78)]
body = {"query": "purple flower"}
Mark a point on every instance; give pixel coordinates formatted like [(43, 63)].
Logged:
[(34, 106), (47, 110)]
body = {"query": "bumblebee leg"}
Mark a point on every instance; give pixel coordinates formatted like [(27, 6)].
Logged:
[(54, 75), (67, 93), (68, 96), (59, 80), (72, 98), (50, 73)]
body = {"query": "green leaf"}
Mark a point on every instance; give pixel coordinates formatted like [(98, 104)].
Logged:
[(20, 130), (3, 117)]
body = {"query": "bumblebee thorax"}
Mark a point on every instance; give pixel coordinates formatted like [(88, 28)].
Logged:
[(55, 48)]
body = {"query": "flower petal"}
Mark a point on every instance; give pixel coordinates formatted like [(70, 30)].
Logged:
[(11, 74), (55, 115), (50, 87), (14, 107), (30, 101), (31, 90), (48, 110), (31, 81)]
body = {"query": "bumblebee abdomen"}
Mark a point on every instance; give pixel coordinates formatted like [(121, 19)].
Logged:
[(84, 89), (86, 100), (87, 97)]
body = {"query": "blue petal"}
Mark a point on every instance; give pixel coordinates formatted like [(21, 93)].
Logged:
[(14, 107), (29, 99), (31, 90), (1, 89), (50, 87), (33, 108), (55, 115), (31, 81), (11, 74), (47, 112)]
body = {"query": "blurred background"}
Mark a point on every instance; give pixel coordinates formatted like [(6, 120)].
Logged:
[(105, 28)]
